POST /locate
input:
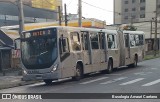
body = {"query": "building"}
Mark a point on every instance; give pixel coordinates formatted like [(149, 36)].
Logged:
[(130, 11), (33, 11), (46, 4)]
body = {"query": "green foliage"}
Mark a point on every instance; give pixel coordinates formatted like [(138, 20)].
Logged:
[(130, 28)]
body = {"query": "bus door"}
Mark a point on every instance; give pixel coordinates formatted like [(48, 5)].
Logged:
[(121, 48), (127, 48), (103, 51), (87, 54), (96, 52), (65, 57)]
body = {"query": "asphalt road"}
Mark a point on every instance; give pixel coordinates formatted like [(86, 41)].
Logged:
[(143, 79)]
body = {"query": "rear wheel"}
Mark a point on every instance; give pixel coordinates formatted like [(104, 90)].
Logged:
[(135, 62), (110, 67), (48, 81), (79, 73)]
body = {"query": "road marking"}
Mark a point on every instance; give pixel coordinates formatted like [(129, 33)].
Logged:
[(154, 68), (15, 80), (115, 80), (143, 73), (113, 74), (94, 80), (132, 81), (152, 83)]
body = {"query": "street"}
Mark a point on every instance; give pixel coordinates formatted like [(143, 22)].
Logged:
[(143, 79)]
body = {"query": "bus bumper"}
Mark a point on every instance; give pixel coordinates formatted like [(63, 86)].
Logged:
[(32, 77)]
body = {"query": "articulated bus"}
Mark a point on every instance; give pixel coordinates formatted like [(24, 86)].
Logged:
[(60, 52)]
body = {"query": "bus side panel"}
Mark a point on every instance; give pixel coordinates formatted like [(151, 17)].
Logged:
[(68, 66), (121, 46)]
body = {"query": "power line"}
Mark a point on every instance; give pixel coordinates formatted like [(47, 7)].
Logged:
[(96, 7), (69, 2)]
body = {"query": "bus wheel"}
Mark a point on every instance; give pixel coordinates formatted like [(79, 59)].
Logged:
[(79, 73), (48, 81), (110, 67), (135, 62)]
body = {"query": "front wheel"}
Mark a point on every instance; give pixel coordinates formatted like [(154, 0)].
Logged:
[(79, 73), (48, 81)]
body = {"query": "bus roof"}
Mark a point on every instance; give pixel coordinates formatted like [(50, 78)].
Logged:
[(134, 32)]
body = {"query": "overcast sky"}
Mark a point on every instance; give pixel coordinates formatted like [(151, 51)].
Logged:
[(102, 11)]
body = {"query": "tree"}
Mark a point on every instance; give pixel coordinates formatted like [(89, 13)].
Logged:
[(130, 27)]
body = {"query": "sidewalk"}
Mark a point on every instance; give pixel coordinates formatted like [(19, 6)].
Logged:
[(12, 79)]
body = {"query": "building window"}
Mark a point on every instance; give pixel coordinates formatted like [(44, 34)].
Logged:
[(142, 16), (141, 1), (126, 17), (133, 1), (134, 17), (133, 9), (126, 2), (125, 10), (142, 8)]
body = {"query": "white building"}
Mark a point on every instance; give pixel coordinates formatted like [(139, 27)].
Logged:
[(127, 11)]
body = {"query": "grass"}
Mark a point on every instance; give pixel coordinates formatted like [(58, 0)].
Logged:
[(148, 57)]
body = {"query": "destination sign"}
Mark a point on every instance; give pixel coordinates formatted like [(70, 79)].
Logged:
[(37, 33), (41, 32)]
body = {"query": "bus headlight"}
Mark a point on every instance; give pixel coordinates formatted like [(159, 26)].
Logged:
[(55, 67), (25, 72)]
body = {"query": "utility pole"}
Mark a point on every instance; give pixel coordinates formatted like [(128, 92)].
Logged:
[(66, 20), (80, 13), (21, 17), (60, 18), (155, 39)]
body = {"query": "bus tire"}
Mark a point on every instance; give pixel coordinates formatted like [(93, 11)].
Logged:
[(79, 73), (135, 62), (110, 67), (48, 81)]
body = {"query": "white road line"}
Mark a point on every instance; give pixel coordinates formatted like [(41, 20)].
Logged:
[(115, 80), (94, 80), (154, 68), (152, 83), (15, 80), (132, 81)]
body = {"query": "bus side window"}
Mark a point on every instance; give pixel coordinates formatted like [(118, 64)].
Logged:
[(126, 40), (141, 38), (132, 40), (63, 45), (102, 40), (111, 41), (137, 40), (85, 42), (75, 41), (94, 41)]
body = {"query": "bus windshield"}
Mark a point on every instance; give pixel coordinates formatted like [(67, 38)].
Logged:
[(39, 51)]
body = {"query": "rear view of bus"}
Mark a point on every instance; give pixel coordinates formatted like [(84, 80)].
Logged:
[(39, 54)]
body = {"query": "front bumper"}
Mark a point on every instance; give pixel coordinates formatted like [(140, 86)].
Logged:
[(32, 77)]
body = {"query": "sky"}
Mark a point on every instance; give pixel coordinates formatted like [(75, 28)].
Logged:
[(102, 10)]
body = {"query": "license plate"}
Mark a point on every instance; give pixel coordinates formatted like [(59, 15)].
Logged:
[(38, 77)]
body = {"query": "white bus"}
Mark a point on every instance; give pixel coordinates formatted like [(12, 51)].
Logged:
[(59, 52)]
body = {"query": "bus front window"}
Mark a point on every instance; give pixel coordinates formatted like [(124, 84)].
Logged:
[(40, 52)]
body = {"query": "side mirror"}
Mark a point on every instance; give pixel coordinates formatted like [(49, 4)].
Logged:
[(17, 43)]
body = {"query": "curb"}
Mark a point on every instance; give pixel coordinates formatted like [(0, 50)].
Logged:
[(21, 83)]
